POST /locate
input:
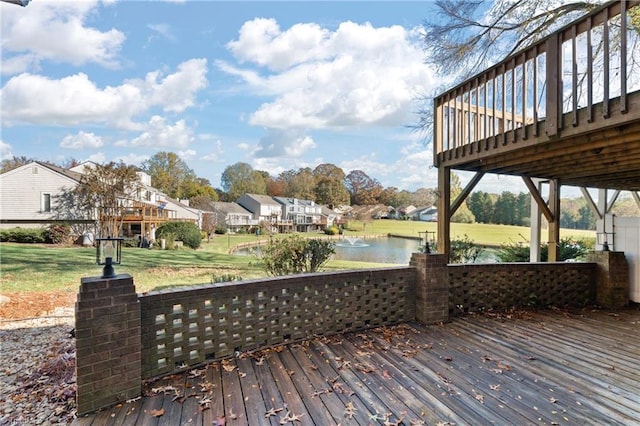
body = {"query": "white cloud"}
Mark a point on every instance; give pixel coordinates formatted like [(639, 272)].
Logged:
[(56, 31), (75, 100), (290, 143), (187, 154), (162, 29), (131, 158), (175, 92), (5, 151), (97, 157), (355, 75), (161, 134), (81, 140)]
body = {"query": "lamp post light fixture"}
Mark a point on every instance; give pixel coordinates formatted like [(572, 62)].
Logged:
[(108, 253)]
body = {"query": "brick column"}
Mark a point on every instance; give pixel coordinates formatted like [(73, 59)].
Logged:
[(108, 366), (432, 287), (612, 278)]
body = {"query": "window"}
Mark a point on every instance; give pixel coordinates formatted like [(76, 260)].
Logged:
[(45, 203)]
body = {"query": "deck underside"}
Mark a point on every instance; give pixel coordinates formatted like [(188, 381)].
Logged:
[(604, 154), (548, 367)]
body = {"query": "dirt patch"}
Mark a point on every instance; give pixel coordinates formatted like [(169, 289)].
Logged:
[(30, 304)]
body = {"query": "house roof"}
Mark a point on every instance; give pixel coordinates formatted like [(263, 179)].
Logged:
[(263, 199), (229, 208), (65, 172)]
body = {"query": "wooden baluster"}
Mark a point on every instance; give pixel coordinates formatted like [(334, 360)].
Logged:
[(574, 74), (535, 91), (524, 96), (589, 71), (553, 84), (623, 56), (605, 38), (513, 99)]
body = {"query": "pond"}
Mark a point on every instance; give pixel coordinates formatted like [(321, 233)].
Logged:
[(379, 250)]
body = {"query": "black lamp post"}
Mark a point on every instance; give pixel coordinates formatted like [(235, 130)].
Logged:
[(108, 253)]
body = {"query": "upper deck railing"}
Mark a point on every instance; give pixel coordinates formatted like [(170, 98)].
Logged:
[(580, 75)]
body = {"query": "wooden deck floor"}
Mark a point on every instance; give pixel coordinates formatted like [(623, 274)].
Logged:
[(541, 368)]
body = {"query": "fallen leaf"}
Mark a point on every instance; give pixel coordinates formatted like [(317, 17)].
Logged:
[(157, 413)]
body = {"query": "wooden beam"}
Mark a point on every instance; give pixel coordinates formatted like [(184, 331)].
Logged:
[(592, 204), (538, 198), (465, 193), (444, 205), (554, 225)]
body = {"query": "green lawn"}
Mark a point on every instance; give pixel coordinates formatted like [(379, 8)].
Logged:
[(25, 267)]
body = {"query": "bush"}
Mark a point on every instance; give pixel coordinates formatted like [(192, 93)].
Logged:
[(463, 250), (221, 230), (23, 235), (332, 230), (567, 250), (58, 234), (295, 255), (187, 232)]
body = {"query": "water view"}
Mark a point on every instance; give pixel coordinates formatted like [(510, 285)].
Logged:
[(377, 250)]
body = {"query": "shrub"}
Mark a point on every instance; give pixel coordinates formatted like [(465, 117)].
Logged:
[(567, 250), (187, 232), (58, 234), (23, 235), (295, 255), (332, 230), (221, 230), (463, 250)]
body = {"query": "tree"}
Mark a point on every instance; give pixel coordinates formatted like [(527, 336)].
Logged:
[(481, 206), (504, 210), (329, 185), (169, 173), (104, 193), (14, 162), (465, 37), (202, 202), (363, 189), (240, 178), (300, 183)]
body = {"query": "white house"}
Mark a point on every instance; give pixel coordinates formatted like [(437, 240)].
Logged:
[(28, 199), (28, 194), (305, 215)]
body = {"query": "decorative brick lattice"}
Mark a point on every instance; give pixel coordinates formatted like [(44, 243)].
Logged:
[(188, 326), (513, 285)]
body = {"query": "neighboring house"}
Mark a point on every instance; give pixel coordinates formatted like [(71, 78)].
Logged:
[(329, 217), (402, 212), (233, 216), (428, 214), (28, 197), (265, 209), (305, 215)]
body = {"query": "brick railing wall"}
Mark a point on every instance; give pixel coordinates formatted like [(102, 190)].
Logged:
[(123, 337), (500, 286), (188, 326)]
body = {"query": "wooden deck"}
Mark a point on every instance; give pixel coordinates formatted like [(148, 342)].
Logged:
[(537, 368)]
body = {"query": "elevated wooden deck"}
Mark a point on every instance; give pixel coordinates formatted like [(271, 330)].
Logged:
[(565, 109), (547, 367)]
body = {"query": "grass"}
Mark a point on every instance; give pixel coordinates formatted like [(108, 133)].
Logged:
[(25, 267)]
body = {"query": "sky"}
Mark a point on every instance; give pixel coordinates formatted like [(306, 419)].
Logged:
[(277, 85)]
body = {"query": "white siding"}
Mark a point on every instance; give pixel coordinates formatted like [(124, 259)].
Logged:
[(627, 239), (22, 189)]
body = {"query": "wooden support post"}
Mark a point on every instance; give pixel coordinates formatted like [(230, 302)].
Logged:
[(554, 225), (444, 211), (534, 246)]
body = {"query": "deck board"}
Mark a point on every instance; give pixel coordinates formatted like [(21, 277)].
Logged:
[(546, 367)]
